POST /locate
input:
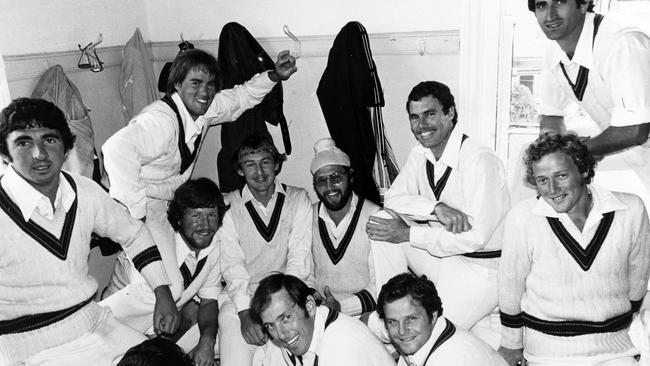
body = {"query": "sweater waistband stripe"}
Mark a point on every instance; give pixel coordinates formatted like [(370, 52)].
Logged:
[(28, 323)]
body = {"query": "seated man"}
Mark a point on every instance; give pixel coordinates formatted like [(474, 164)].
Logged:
[(195, 213), (156, 152), (412, 314), (267, 229), (156, 352), (453, 191), (47, 217), (343, 268), (303, 333), (575, 263)]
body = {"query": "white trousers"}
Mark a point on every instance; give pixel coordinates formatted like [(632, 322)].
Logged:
[(102, 346), (233, 349)]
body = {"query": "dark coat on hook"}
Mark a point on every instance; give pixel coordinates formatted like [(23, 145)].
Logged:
[(346, 90), (241, 57)]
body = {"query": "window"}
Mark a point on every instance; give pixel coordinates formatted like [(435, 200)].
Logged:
[(522, 46)]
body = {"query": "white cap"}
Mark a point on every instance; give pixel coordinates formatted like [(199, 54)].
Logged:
[(326, 153)]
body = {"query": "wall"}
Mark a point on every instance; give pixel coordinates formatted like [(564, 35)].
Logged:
[(397, 32), (204, 19)]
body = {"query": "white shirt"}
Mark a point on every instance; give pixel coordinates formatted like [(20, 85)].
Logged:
[(538, 275), (293, 237), (476, 186), (143, 160), (350, 303), (459, 349), (618, 88), (29, 198), (346, 341)]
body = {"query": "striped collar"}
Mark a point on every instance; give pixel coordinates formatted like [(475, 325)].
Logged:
[(183, 251), (452, 149), (28, 199), (192, 128), (339, 230), (419, 358), (583, 55), (604, 201)]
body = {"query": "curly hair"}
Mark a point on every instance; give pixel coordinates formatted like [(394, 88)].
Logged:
[(437, 90), (196, 193), (569, 143), (25, 113), (420, 289)]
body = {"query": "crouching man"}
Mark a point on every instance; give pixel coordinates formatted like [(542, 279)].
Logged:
[(303, 333), (195, 213), (412, 312), (47, 216)]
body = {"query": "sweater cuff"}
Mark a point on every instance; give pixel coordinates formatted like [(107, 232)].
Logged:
[(511, 331), (351, 306), (241, 302)]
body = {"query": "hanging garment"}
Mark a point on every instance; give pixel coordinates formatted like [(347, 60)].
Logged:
[(241, 57), (55, 87), (351, 98), (137, 80)]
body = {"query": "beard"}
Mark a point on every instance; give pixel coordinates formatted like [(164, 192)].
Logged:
[(337, 204)]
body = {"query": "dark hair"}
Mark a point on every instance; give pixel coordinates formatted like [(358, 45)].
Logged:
[(419, 288), (156, 352), (25, 113), (188, 60), (590, 8), (570, 144), (258, 142), (437, 90), (297, 290), (196, 193)]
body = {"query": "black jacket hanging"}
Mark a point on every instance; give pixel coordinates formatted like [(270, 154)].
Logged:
[(346, 90), (241, 57)]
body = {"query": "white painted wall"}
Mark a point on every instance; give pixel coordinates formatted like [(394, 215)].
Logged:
[(203, 19), (35, 26)]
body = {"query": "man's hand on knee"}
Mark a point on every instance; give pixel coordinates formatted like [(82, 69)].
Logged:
[(252, 332)]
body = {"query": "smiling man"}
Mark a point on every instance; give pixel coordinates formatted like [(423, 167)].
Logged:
[(195, 213), (575, 263), (155, 153), (267, 229), (600, 63), (343, 266), (47, 217), (307, 334), (412, 314), (456, 189)]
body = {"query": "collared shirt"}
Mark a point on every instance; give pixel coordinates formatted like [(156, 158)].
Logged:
[(538, 275), (476, 186), (351, 304), (246, 257), (459, 349), (337, 231), (29, 199), (618, 87), (207, 284), (143, 160), (345, 341)]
